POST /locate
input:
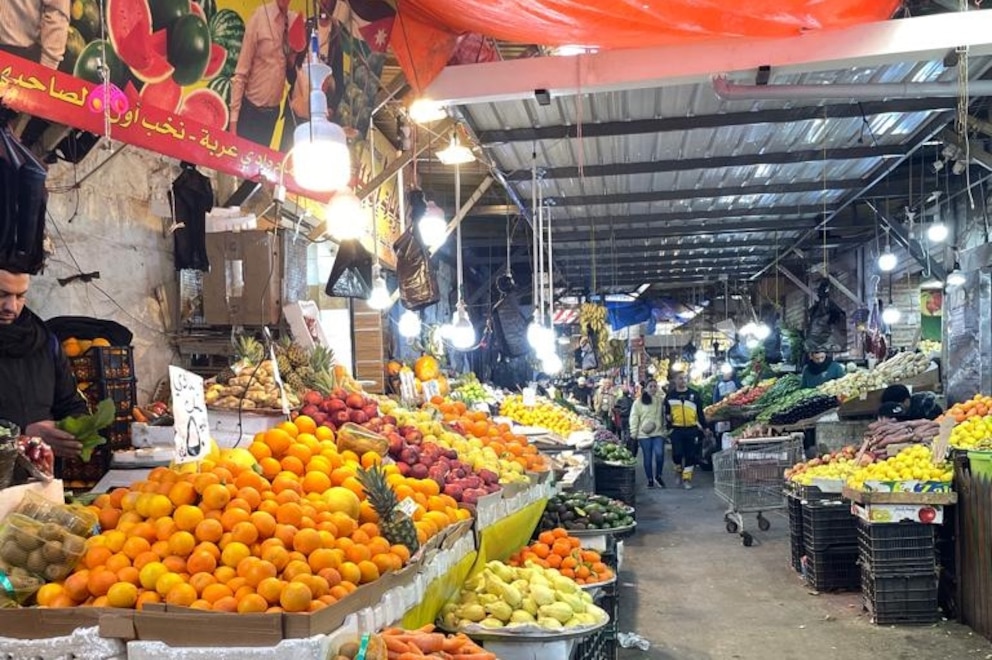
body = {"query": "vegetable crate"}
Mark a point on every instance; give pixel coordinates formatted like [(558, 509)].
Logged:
[(832, 569), (889, 549), (828, 523), (104, 363), (124, 393), (796, 545), (896, 599), (118, 434), (77, 474), (616, 481)]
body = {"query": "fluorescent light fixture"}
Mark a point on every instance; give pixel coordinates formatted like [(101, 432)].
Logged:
[(345, 215), (455, 153), (891, 314), (379, 298), (937, 232), (570, 50), (641, 289), (425, 111), (931, 284), (433, 227), (410, 324), (887, 261)]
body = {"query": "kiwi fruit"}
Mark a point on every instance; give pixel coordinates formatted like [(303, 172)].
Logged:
[(36, 562), (26, 539), (348, 650), (50, 532), (52, 552), (73, 545), (55, 572)]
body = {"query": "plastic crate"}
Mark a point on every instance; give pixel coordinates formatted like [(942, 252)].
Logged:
[(835, 569), (618, 482), (795, 508), (102, 363), (123, 392), (597, 646), (796, 551), (905, 599), (77, 474), (897, 548), (118, 434), (828, 523)]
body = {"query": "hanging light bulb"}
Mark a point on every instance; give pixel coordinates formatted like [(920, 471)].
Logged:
[(891, 314), (887, 261), (345, 215), (762, 331), (425, 111), (726, 369), (937, 232), (455, 153), (409, 324), (751, 343), (956, 277), (379, 298), (321, 160), (552, 364), (748, 329), (432, 226), (462, 330)]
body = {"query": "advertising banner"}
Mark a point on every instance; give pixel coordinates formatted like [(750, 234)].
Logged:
[(219, 83), (931, 314)]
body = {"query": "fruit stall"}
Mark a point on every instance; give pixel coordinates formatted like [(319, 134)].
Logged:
[(355, 525)]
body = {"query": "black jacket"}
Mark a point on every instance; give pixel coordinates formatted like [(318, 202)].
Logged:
[(36, 381)]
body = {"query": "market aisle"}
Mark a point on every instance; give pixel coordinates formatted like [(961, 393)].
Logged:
[(701, 595)]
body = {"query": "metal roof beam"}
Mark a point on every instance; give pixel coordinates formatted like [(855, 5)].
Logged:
[(720, 120), (923, 38), (706, 193), (718, 162)]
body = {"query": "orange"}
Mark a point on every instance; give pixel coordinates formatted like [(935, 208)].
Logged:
[(135, 545), (207, 546), (316, 482), (299, 451), (201, 581), (369, 571), (232, 517), (361, 536), (290, 514), (236, 502), (270, 589), (109, 518), (97, 556), (245, 532), (287, 481), (209, 530), (370, 458), (200, 604), (259, 570), (296, 597), (331, 576), (216, 496), (252, 603), (187, 517), (182, 544), (293, 464), (181, 594), (367, 513), (122, 594), (278, 441), (214, 592), (204, 479), (175, 563), (324, 433), (322, 558), (401, 551), (294, 568), (358, 553), (307, 540), (318, 585), (305, 424), (128, 574), (118, 561), (182, 492), (250, 495), (144, 530), (264, 523), (270, 467), (225, 604), (234, 553), (278, 556), (386, 562), (201, 561), (345, 524), (49, 593), (350, 572), (259, 450)]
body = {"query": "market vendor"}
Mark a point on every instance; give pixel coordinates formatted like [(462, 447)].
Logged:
[(820, 369), (684, 416), (898, 403), (603, 400), (37, 386)]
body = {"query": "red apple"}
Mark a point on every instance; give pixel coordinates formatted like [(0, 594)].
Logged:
[(313, 398), (418, 471), (389, 419), (927, 514), (309, 410), (355, 401), (371, 410), (334, 405), (403, 468), (395, 444), (320, 419), (358, 417), (339, 393), (341, 417), (453, 490)]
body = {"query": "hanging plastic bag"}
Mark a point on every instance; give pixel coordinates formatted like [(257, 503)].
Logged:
[(827, 324), (351, 275), (417, 283), (23, 199), (509, 324)]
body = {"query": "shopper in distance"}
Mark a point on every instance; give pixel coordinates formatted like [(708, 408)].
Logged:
[(647, 424)]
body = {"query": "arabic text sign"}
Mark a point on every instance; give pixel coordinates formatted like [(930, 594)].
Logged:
[(31, 88), (189, 409)]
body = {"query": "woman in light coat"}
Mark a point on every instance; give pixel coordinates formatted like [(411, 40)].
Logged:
[(647, 425)]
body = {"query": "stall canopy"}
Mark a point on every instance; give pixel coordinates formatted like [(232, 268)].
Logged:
[(659, 310), (426, 33)]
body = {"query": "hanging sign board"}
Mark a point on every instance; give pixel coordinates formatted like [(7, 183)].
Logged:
[(189, 408)]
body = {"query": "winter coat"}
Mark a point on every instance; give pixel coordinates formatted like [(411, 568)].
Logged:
[(647, 420)]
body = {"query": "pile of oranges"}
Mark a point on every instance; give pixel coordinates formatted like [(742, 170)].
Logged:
[(978, 406), (556, 549), (478, 424), (291, 533)]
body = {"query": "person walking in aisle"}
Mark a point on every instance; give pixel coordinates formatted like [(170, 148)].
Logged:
[(647, 426), (603, 400), (684, 415), (621, 412)]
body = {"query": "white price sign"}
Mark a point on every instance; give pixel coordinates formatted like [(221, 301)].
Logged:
[(530, 397), (431, 389), (189, 409)]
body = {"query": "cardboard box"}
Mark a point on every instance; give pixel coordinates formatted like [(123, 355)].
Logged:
[(42, 623), (909, 486), (244, 282), (304, 322)]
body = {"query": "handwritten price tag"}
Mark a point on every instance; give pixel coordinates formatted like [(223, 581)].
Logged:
[(431, 389), (943, 440), (189, 408), (530, 397)]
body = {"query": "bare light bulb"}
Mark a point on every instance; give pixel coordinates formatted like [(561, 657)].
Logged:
[(956, 277), (345, 215), (410, 324), (887, 261), (425, 111), (379, 297), (891, 314), (462, 330), (552, 364), (432, 226), (937, 232)]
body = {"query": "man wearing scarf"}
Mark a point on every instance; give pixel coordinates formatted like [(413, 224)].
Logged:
[(37, 386)]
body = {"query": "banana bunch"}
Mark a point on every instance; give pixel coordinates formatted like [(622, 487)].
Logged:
[(593, 317)]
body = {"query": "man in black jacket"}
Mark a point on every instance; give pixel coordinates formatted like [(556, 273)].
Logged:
[(37, 386), (686, 422)]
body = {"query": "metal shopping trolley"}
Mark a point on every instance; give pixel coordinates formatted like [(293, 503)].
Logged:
[(749, 478)]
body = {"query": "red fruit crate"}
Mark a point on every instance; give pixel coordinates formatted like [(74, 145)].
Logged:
[(102, 363)]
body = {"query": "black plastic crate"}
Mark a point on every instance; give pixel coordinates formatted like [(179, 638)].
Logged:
[(827, 524), (905, 599), (795, 509), (123, 392), (897, 548), (598, 646), (835, 569), (796, 551), (616, 481), (77, 474), (102, 363), (118, 434), (812, 493)]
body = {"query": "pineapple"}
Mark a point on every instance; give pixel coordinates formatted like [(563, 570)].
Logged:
[(249, 350), (325, 382), (285, 368), (297, 355), (306, 376), (396, 526), (321, 359), (295, 383), (225, 376)]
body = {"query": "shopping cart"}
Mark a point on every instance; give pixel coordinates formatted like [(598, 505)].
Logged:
[(749, 478)]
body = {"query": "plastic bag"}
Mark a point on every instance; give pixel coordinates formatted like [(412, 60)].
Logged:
[(417, 283), (510, 325), (351, 275), (360, 440), (827, 327), (23, 200)]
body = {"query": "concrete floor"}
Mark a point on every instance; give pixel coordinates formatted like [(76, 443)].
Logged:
[(696, 593)]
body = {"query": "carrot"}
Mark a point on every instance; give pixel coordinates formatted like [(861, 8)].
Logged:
[(409, 656), (393, 643), (485, 655), (429, 642), (454, 643)]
